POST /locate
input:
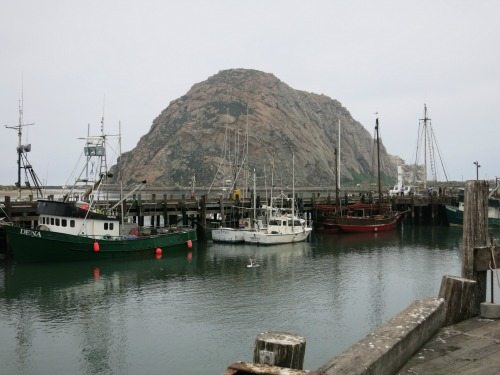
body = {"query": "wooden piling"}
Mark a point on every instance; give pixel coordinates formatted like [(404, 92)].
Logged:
[(8, 206), (165, 210), (475, 233), (203, 212), (458, 294), (280, 349)]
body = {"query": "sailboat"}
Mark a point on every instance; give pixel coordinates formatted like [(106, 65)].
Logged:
[(231, 234), (370, 217), (362, 217), (75, 229), (282, 226), (237, 235)]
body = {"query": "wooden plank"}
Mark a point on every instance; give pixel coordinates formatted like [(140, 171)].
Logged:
[(261, 369), (482, 257)]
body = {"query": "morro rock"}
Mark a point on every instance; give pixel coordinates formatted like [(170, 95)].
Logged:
[(241, 119)]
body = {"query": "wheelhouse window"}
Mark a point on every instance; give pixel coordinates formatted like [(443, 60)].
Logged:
[(72, 223), (64, 222), (111, 225), (51, 221), (105, 226), (58, 222)]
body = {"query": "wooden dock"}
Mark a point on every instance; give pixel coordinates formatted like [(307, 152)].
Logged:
[(175, 207)]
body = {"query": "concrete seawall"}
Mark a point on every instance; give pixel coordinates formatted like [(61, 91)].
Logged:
[(389, 347)]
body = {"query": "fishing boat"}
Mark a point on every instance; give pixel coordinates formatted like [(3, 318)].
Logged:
[(75, 229), (455, 214), (71, 231)]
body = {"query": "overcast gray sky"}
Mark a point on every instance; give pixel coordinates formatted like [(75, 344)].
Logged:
[(389, 57)]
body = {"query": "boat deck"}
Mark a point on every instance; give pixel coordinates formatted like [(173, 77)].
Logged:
[(469, 347)]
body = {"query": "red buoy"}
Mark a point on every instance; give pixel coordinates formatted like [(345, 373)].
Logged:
[(189, 244), (158, 251), (96, 247)]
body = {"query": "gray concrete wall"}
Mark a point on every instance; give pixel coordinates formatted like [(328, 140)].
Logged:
[(387, 349)]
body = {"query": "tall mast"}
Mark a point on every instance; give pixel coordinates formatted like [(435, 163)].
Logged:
[(120, 172), (338, 158), (254, 199), (104, 162), (425, 119), (378, 162), (293, 189), (337, 202), (246, 160), (21, 149)]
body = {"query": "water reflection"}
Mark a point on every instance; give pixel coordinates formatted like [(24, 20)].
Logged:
[(195, 312), (79, 298)]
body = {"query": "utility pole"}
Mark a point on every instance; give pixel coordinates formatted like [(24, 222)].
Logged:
[(476, 163)]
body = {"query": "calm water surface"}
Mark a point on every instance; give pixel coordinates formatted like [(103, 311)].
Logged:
[(197, 312)]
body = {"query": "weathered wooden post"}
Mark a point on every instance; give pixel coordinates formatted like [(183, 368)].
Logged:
[(165, 211), (140, 211), (475, 233), (8, 206), (222, 218), (463, 295), (202, 220), (280, 349), (458, 294)]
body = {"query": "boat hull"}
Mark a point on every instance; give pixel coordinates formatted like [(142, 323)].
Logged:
[(368, 224), (455, 216), (27, 245), (228, 235), (264, 238), (359, 228)]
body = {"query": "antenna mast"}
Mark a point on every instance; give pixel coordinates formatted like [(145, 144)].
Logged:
[(22, 150)]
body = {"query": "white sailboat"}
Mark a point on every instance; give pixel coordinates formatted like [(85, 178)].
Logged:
[(282, 227), (237, 235)]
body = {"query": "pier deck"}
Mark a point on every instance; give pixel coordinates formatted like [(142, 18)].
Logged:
[(469, 347)]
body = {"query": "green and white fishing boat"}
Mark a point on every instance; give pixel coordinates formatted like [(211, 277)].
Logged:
[(74, 236), (74, 229), (455, 214)]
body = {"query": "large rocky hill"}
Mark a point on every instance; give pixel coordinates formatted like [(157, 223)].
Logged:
[(205, 133)]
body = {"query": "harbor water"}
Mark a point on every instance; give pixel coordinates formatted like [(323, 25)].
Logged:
[(195, 311)]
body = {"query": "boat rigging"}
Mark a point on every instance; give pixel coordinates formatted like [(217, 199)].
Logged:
[(22, 157), (428, 149)]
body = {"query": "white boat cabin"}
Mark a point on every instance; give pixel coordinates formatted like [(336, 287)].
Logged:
[(97, 228)]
